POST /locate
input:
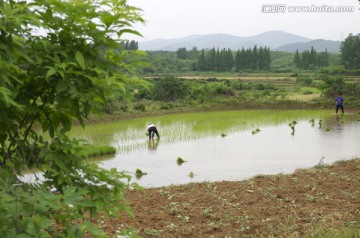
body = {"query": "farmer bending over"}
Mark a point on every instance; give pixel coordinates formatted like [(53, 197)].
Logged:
[(151, 128)]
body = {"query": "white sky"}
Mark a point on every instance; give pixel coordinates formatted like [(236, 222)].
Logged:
[(166, 19)]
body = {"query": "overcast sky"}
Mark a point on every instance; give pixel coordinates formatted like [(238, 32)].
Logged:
[(166, 19)]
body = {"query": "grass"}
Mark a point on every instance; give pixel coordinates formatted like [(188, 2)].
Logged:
[(303, 97), (88, 151), (353, 232), (311, 89)]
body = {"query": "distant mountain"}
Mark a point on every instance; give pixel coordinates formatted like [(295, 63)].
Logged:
[(276, 40), (272, 39), (319, 45)]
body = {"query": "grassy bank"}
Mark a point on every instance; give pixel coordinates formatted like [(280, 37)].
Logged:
[(88, 151)]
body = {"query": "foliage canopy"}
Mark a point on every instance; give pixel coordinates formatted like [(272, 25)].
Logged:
[(350, 51), (58, 61)]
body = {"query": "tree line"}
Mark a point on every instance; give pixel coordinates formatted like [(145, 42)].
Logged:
[(310, 59), (253, 59), (129, 45), (250, 59), (224, 60), (214, 60)]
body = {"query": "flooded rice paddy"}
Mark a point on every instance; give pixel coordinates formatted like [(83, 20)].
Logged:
[(230, 145)]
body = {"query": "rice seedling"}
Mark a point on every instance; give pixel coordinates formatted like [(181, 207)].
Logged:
[(312, 121), (292, 126), (257, 130), (180, 161), (191, 175), (223, 135), (320, 123), (139, 173), (87, 151)]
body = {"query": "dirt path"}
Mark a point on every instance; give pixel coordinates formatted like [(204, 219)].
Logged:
[(294, 205)]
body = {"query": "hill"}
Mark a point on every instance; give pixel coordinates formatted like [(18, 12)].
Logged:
[(276, 40), (319, 45), (272, 39)]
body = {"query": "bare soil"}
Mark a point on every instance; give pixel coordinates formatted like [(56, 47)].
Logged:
[(284, 205)]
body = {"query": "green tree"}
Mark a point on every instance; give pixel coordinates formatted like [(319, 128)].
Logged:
[(331, 86), (262, 59), (237, 60), (58, 61), (323, 59), (268, 58), (305, 59), (211, 59), (193, 53), (242, 59), (201, 65), (129, 45), (181, 53), (169, 89), (254, 58), (218, 62), (350, 52), (297, 59), (312, 58)]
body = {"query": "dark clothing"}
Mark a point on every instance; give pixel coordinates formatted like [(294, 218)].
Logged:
[(341, 107), (153, 130), (339, 101), (339, 104)]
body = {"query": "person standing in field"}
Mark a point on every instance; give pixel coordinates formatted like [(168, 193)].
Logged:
[(339, 103), (151, 128)]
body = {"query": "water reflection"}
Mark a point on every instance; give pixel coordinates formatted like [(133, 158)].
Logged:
[(153, 144)]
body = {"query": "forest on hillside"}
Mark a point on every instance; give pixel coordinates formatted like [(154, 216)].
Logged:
[(255, 59)]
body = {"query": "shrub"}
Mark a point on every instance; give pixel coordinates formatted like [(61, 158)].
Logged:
[(166, 106), (305, 80), (140, 107), (169, 89), (332, 86)]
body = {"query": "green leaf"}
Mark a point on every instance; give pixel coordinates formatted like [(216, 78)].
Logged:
[(61, 86), (128, 31), (80, 59), (50, 72), (108, 19), (45, 223), (5, 97)]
